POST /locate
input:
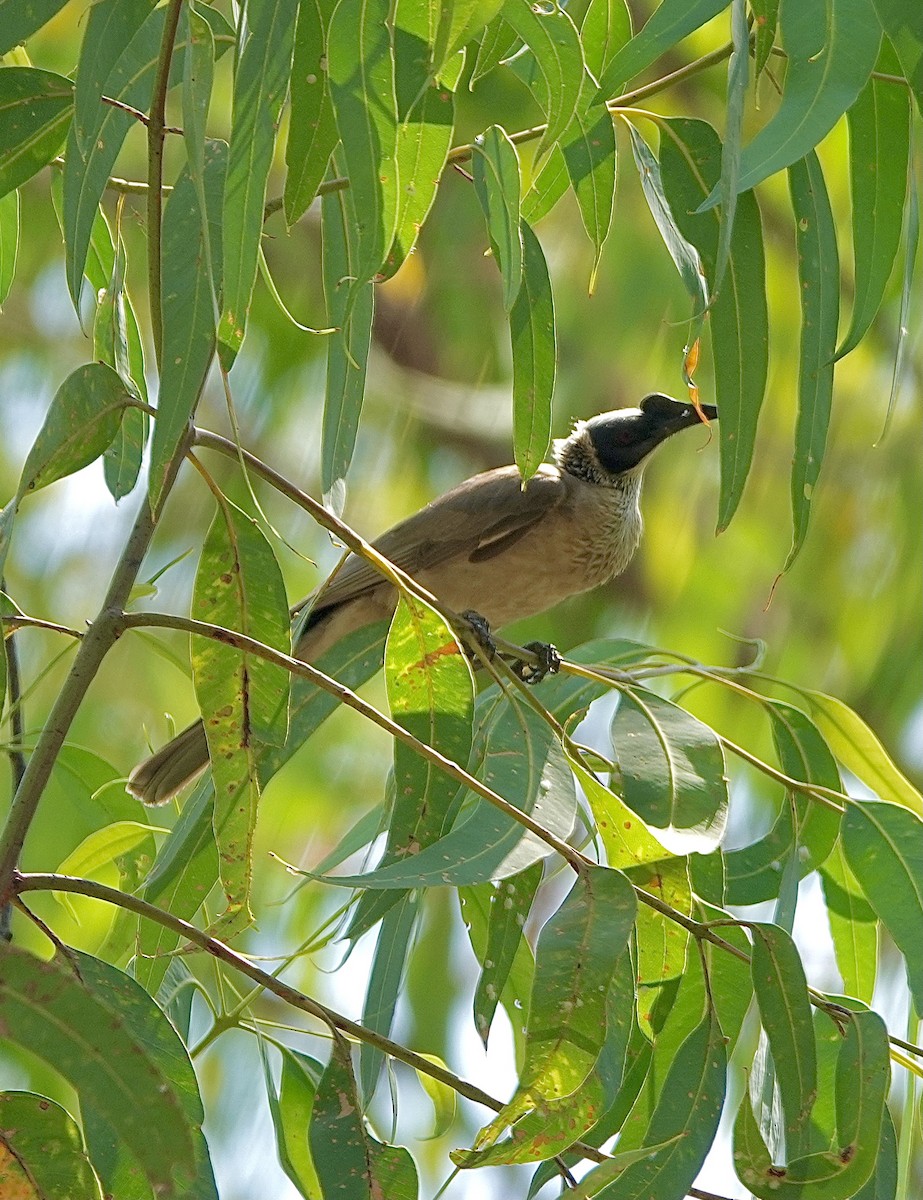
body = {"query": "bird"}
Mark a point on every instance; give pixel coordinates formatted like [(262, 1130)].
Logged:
[(490, 546)]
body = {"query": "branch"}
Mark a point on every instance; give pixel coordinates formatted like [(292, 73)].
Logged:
[(345, 695)]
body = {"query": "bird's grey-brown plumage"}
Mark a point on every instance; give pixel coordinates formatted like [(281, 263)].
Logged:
[(488, 545)]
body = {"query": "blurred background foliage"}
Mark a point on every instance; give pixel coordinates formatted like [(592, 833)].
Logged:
[(846, 618)]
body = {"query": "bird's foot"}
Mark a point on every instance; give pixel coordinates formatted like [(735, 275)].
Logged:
[(549, 663), (480, 632)]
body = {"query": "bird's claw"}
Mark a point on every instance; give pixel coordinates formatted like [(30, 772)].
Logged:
[(480, 630), (549, 663)]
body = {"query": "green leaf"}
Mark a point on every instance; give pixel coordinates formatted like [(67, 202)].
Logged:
[(546, 188), (102, 848), (9, 241), (260, 85), (883, 845), (671, 764), (351, 311), (728, 975), (690, 163), (685, 256), (627, 840), (360, 65), (550, 34), (35, 110), (431, 694), (243, 698), (510, 903), (291, 1112), (662, 944), (386, 976), (43, 1150), (575, 959), (831, 47), (532, 336), (546, 1131), (738, 77), (188, 309), (903, 23), (19, 19), (497, 41), (862, 1077), (91, 153), (670, 22), (785, 1013), (87, 1026), (426, 116), (520, 758), (805, 756), (495, 167), (110, 27), (476, 905), (853, 926), (349, 1162), (859, 750), (681, 1129), (766, 20), (605, 29), (114, 1160), (312, 127), (198, 75), (819, 287), (84, 417), (879, 147), (460, 21), (117, 343)]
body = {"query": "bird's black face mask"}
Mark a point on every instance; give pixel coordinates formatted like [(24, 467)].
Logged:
[(622, 439)]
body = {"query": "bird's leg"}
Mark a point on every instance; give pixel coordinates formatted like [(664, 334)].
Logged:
[(480, 632), (549, 663)]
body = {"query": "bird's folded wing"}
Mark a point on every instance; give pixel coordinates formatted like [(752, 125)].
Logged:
[(481, 517)]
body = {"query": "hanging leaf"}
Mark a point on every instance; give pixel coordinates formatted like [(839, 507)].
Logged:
[(42, 1151), (386, 978), (19, 19), (853, 926), (785, 1013), (574, 962), (519, 758), (260, 84), (9, 241), (495, 167), (291, 1112), (862, 1077), (349, 1162), (671, 765), (510, 902), (883, 845), (903, 24), (831, 49), (360, 65), (312, 127), (243, 698), (681, 1130), (535, 352), (879, 148), (351, 312), (35, 111), (690, 159), (552, 37), (85, 1026), (84, 417), (431, 694), (685, 256), (188, 308), (819, 279), (426, 116)]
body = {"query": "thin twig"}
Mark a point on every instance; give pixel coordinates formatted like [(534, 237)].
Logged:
[(136, 113)]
